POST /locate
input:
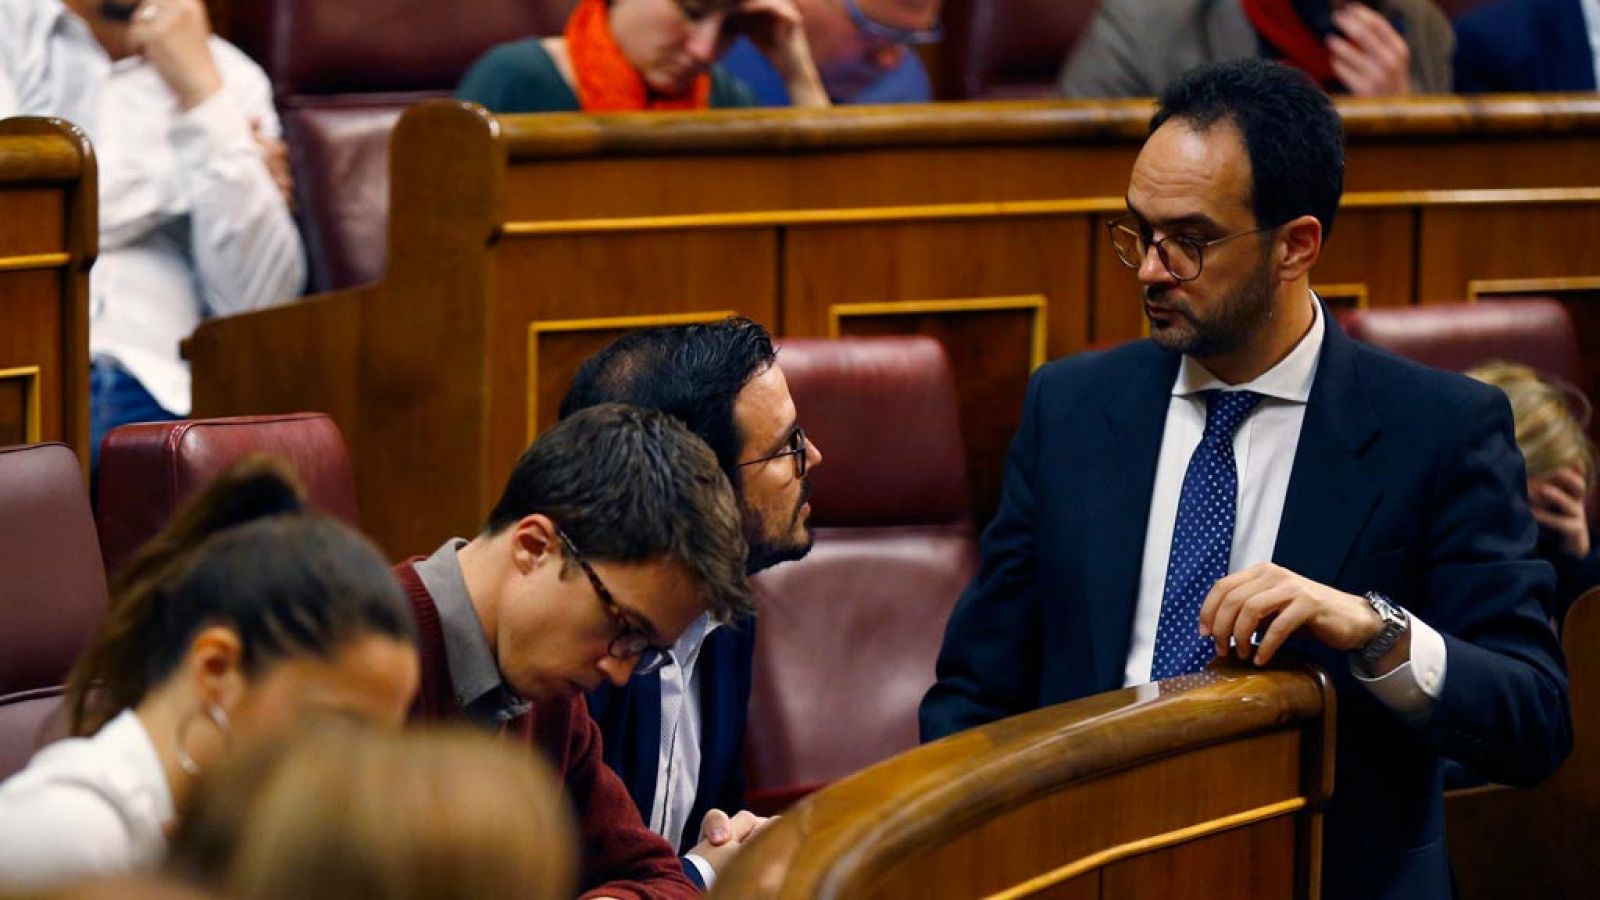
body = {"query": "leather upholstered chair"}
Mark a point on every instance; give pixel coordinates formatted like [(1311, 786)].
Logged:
[(1535, 331), (847, 638), (52, 592), (1007, 49), (149, 469), (342, 73)]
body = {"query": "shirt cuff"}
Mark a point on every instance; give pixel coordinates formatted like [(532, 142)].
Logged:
[(1411, 688), (199, 135), (708, 875)]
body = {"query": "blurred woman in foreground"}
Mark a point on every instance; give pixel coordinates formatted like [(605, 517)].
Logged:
[(246, 614)]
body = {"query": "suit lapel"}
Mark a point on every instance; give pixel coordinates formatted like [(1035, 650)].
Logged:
[(643, 745), (1117, 504), (1331, 494), (1567, 39)]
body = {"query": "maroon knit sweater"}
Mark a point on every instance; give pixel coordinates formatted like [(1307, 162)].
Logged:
[(621, 857)]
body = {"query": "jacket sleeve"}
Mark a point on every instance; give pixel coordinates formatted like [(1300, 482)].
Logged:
[(621, 857), (989, 665), (1503, 712)]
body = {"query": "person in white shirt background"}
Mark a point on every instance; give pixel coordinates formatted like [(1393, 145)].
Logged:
[(193, 175), (246, 616)]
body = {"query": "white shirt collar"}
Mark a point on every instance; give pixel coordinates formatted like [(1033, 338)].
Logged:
[(688, 645), (147, 776), (1289, 380)]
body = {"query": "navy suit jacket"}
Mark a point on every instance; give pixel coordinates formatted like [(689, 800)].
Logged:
[(630, 725), (1406, 480), (1523, 45)]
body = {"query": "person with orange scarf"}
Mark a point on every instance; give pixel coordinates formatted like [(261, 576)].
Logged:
[(630, 55)]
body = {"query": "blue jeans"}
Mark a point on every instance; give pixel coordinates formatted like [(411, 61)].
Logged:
[(116, 398)]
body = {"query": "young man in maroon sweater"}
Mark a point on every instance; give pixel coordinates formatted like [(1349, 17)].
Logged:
[(616, 530)]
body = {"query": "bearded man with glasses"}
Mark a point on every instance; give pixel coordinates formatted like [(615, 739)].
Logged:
[(865, 51), (616, 531), (1251, 483)]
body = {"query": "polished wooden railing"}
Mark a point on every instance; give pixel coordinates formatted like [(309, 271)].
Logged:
[(1214, 781)]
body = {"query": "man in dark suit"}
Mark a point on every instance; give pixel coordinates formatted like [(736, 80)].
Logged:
[(1370, 511), (676, 736), (1528, 45)]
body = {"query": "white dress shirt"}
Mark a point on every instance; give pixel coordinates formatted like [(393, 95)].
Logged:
[(678, 763), (191, 223), (1264, 449), (1591, 15), (84, 808)]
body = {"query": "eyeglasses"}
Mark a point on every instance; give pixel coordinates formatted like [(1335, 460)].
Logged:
[(795, 447), (1182, 255), (913, 36), (631, 641)]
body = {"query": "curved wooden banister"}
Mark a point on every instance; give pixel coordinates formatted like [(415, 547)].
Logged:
[(846, 840)]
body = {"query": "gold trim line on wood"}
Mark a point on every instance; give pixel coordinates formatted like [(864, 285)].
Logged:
[(35, 427), (1005, 209), (571, 326), (34, 261), (1477, 288), (1036, 303), (789, 217), (1145, 845)]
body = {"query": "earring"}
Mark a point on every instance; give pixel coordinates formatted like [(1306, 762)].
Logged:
[(218, 717)]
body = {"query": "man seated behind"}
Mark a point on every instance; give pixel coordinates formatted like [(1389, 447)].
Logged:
[(676, 736), (1249, 473), (193, 181), (615, 532), (1381, 47), (863, 49)]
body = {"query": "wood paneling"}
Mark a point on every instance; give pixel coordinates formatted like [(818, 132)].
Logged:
[(499, 224), (48, 241)]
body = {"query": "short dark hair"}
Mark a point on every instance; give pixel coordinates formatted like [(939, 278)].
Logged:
[(1291, 131), (631, 485), (245, 554), (692, 372)]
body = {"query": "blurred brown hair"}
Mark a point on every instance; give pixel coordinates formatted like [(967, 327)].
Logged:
[(342, 810)]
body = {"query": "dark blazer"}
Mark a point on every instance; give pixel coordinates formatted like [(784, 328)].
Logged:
[(1406, 480), (630, 723), (1524, 45)]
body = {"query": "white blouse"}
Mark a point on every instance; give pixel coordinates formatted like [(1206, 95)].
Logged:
[(85, 808)]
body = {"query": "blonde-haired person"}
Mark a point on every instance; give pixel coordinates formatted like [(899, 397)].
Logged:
[(1551, 423), (347, 811), (246, 614)]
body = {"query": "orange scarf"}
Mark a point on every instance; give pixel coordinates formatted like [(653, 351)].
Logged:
[(607, 82)]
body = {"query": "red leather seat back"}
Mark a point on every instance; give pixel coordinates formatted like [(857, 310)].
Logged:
[(52, 589), (1015, 48), (1536, 331), (148, 470), (342, 73), (848, 636)]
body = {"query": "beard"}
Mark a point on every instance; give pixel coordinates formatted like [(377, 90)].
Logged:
[(766, 549), (1239, 317)]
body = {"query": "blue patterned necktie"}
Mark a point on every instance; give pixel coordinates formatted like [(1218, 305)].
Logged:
[(1202, 537)]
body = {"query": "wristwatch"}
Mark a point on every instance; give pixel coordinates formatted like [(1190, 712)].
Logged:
[(1396, 621)]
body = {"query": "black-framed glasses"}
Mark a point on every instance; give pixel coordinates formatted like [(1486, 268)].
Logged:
[(873, 28), (631, 641), (1182, 256), (795, 446)]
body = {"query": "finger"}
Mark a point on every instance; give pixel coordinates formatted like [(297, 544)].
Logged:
[(1354, 68), (1228, 609), (1287, 622), (715, 828), (1571, 480), (1548, 519), (1558, 500), (744, 823), (1379, 32), (1208, 606), (1254, 613)]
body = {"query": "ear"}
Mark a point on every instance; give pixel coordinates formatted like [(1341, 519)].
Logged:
[(215, 666), (533, 542), (1298, 246)]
